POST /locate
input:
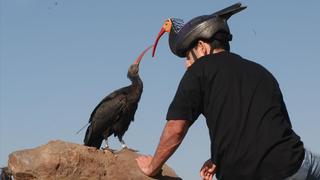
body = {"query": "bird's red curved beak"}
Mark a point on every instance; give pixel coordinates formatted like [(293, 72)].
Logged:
[(162, 31), (141, 55)]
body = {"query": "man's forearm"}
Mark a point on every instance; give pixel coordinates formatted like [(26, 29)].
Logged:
[(170, 140)]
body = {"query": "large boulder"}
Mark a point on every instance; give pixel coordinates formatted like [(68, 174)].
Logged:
[(63, 160)]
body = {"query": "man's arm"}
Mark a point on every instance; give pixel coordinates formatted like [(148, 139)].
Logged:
[(172, 136)]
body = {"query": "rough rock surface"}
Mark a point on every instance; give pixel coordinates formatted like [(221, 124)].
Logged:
[(63, 160)]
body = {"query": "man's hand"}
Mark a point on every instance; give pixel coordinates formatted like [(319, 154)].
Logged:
[(144, 163), (172, 136), (208, 170)]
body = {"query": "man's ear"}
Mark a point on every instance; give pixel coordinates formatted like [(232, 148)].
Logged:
[(204, 47)]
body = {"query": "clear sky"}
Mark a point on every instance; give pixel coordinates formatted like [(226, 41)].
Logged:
[(59, 58)]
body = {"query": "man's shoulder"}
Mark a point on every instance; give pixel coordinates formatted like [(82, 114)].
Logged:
[(217, 57), (231, 61), (213, 62)]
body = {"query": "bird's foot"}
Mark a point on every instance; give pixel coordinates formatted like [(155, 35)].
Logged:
[(127, 148), (108, 149)]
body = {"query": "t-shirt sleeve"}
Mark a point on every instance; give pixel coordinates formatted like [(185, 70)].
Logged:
[(186, 104)]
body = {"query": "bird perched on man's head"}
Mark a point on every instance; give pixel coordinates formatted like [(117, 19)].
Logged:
[(206, 27)]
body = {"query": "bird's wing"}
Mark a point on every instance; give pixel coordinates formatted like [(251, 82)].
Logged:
[(114, 97), (122, 124), (103, 117), (132, 111)]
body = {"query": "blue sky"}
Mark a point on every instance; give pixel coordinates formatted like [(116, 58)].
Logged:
[(59, 58)]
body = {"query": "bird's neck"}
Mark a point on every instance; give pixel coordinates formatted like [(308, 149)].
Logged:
[(136, 81), (137, 86)]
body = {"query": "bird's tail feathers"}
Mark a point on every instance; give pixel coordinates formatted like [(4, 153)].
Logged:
[(92, 140), (88, 135), (227, 12), (82, 128)]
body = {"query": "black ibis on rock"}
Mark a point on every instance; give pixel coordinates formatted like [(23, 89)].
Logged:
[(113, 115)]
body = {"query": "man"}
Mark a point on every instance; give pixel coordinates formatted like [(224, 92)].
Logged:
[(250, 130)]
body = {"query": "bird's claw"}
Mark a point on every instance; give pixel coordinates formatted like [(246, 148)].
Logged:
[(108, 149), (126, 148)]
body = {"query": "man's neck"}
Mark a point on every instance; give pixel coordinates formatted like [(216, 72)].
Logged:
[(218, 50)]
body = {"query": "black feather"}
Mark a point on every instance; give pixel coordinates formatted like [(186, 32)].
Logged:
[(227, 12)]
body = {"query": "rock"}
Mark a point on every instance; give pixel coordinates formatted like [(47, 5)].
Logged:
[(62, 160)]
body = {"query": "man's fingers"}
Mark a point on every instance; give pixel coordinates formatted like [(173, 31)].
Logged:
[(144, 164), (202, 173), (211, 176), (208, 176), (139, 162), (205, 174), (210, 170), (143, 158), (143, 161)]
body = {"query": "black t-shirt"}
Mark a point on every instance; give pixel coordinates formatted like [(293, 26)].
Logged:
[(250, 130)]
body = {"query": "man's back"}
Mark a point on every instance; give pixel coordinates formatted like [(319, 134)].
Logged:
[(248, 122)]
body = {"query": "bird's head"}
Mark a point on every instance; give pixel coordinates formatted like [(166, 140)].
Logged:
[(166, 27), (171, 26), (134, 68)]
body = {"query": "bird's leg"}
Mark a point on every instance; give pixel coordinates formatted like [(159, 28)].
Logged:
[(123, 144), (106, 146)]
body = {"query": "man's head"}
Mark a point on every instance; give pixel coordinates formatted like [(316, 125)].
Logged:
[(205, 47), (183, 37)]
